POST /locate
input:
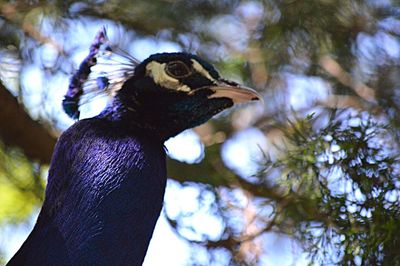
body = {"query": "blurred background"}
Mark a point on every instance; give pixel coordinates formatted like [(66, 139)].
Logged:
[(309, 177)]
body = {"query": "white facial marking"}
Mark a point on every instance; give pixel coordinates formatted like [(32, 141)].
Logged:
[(157, 71), (184, 88), (200, 69)]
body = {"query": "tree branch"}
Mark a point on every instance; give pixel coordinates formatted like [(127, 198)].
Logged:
[(20, 130)]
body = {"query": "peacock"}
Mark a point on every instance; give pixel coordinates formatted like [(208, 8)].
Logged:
[(108, 173)]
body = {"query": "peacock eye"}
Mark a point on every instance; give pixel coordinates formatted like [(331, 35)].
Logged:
[(178, 69)]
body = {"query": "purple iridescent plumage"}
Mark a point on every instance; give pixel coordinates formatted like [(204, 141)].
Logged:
[(105, 192)]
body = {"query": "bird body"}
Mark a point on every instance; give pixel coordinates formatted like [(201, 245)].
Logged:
[(108, 173), (113, 201)]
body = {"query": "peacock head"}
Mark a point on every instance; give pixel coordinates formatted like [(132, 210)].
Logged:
[(170, 92)]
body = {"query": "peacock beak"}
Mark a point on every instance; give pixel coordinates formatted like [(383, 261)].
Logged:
[(234, 91)]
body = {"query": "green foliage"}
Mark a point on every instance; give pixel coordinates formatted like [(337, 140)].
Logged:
[(21, 186), (342, 178)]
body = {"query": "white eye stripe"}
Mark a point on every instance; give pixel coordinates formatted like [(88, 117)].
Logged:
[(157, 71), (200, 69)]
